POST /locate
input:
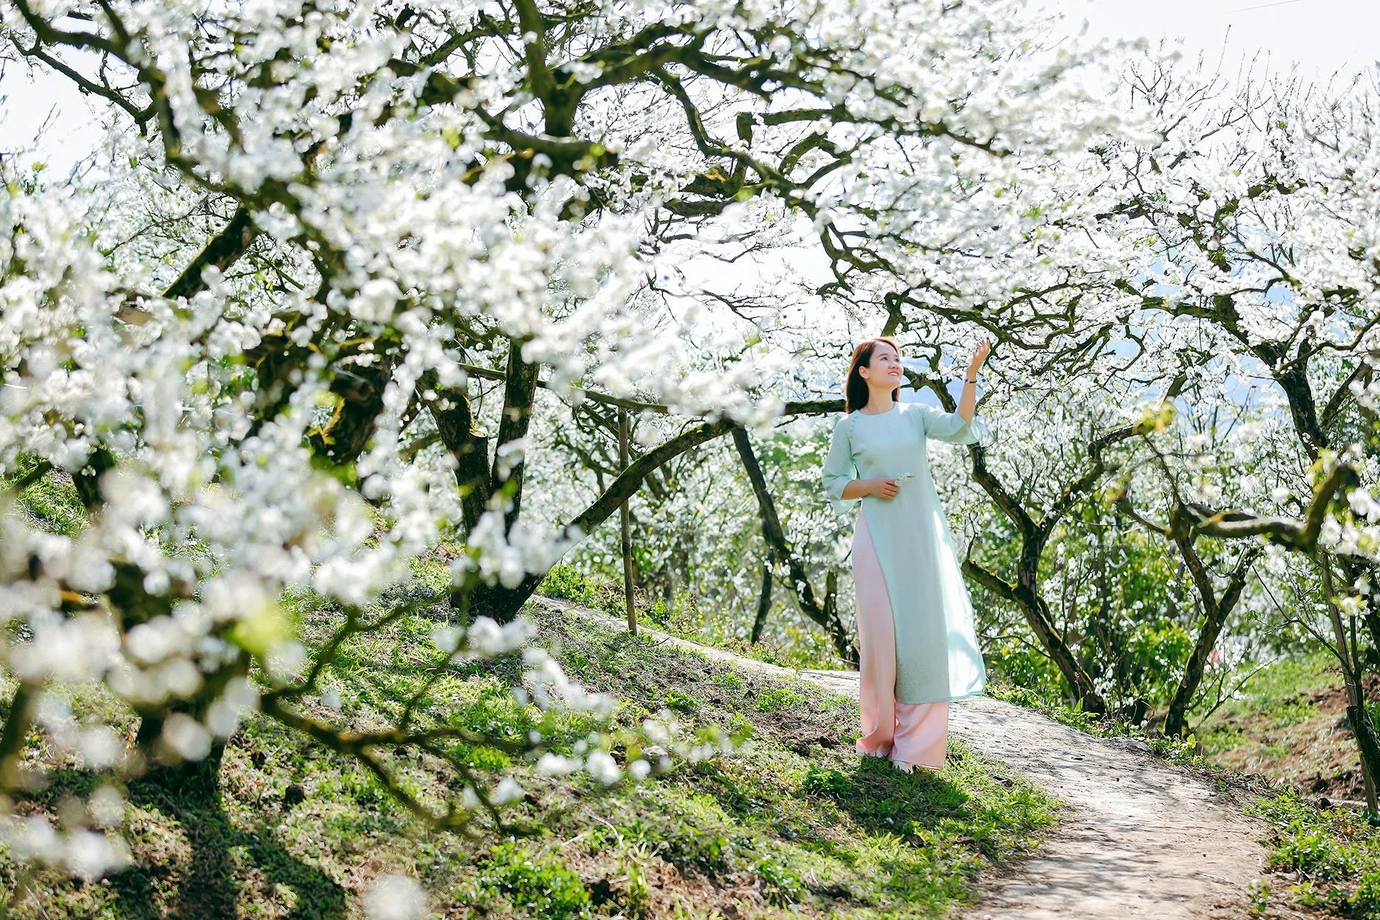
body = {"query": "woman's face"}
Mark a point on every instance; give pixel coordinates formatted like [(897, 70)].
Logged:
[(884, 367)]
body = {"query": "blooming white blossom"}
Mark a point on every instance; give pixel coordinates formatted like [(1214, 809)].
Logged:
[(555, 765), (395, 897), (603, 768), (506, 791), (419, 226)]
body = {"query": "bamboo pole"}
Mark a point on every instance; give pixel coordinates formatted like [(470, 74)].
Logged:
[(627, 525)]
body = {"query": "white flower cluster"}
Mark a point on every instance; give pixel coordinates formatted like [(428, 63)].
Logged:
[(395, 897), (89, 854), (549, 687), (274, 419)]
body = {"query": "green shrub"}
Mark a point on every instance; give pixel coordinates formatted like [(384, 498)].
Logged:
[(779, 698), (1307, 843), (681, 703), (729, 681), (1154, 656), (658, 613), (783, 886), (1366, 899), (567, 582), (1336, 851), (829, 783), (1025, 667), (547, 887)]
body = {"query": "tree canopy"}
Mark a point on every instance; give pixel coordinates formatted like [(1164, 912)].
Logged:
[(351, 286)]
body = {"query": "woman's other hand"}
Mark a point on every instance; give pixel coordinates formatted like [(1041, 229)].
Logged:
[(979, 357), (884, 487)]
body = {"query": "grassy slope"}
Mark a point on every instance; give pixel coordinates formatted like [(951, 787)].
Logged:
[(795, 823), (1288, 728)]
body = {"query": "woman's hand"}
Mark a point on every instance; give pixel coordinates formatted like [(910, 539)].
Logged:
[(883, 487), (979, 356)]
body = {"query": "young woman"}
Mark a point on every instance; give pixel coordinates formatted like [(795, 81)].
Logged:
[(916, 640)]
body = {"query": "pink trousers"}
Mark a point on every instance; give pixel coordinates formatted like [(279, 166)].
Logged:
[(911, 733)]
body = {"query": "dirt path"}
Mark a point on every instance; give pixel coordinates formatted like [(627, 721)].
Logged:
[(1139, 837)]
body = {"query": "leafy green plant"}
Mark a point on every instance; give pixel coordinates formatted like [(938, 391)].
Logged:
[(829, 783), (1336, 852), (680, 702), (779, 698), (783, 885), (545, 886), (729, 681)]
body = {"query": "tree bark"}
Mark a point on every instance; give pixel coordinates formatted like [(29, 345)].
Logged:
[(1356, 712), (1036, 612), (345, 436), (223, 250), (467, 445), (1034, 536), (1215, 613), (519, 392), (16, 731), (625, 526), (781, 549), (763, 603)]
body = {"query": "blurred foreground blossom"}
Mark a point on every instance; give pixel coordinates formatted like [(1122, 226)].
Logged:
[(395, 897)]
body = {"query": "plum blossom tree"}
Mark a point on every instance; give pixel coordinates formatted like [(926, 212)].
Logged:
[(1260, 210), (399, 225)]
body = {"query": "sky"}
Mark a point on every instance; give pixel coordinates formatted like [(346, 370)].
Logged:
[(1319, 37)]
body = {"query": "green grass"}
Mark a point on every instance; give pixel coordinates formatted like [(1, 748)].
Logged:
[(1181, 752), (779, 698), (1287, 727), (792, 823), (51, 503), (1277, 697), (542, 885), (1330, 859), (790, 643)]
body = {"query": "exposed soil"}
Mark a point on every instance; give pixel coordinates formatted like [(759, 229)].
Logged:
[(1317, 755)]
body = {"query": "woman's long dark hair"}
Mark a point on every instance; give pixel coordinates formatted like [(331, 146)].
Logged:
[(855, 392)]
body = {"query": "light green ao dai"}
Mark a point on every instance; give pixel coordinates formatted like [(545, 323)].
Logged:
[(937, 655)]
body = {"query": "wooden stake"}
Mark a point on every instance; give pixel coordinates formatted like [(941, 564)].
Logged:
[(627, 526)]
